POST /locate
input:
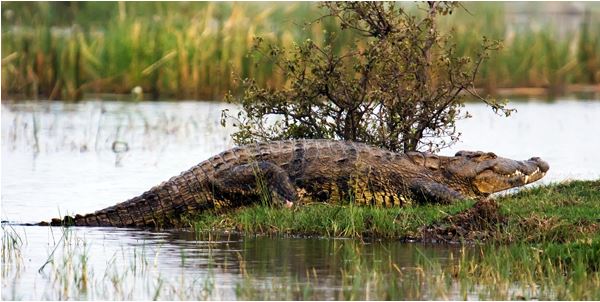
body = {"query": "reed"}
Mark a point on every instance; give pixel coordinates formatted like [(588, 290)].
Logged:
[(12, 258), (191, 50)]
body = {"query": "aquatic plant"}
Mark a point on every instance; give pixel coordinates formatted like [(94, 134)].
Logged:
[(12, 259)]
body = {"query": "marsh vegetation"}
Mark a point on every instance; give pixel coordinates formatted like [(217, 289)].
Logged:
[(189, 50)]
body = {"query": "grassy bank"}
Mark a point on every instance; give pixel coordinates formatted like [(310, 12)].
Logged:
[(190, 50), (563, 212)]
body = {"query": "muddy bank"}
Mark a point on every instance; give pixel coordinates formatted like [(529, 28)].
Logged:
[(478, 223)]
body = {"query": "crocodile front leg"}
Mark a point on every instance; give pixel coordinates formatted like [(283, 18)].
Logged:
[(246, 183), (428, 191)]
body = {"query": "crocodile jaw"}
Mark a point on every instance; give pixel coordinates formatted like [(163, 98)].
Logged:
[(491, 181)]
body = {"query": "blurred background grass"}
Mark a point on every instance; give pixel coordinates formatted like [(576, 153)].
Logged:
[(189, 50)]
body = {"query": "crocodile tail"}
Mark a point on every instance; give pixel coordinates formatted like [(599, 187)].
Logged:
[(167, 204), (137, 211), (161, 207)]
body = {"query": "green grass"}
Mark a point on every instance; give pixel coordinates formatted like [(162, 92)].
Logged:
[(190, 50), (319, 219), (546, 271), (575, 201), (555, 213)]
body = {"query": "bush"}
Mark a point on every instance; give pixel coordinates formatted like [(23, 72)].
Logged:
[(400, 86)]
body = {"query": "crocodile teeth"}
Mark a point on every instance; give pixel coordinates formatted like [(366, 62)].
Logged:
[(516, 173), (519, 173)]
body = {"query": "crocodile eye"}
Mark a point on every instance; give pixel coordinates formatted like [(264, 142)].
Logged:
[(461, 153), (491, 155), (469, 154)]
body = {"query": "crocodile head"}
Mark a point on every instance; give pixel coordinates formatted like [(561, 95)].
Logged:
[(476, 174)]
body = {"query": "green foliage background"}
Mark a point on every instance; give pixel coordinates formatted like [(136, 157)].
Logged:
[(189, 50)]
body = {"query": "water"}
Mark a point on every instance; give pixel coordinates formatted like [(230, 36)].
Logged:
[(186, 263), (60, 158)]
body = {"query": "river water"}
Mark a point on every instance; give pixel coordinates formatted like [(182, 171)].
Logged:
[(60, 158)]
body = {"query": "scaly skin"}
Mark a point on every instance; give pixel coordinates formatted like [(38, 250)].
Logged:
[(285, 172)]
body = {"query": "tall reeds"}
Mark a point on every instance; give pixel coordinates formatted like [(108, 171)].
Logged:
[(190, 50)]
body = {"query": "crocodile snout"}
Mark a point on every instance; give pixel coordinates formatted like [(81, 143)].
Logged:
[(542, 165)]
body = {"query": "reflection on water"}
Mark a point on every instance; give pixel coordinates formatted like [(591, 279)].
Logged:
[(60, 158), (233, 266)]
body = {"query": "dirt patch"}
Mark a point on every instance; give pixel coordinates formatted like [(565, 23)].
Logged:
[(475, 224)]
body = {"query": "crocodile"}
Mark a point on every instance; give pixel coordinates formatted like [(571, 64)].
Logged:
[(296, 171)]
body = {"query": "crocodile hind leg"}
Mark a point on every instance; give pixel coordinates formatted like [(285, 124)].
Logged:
[(433, 192), (253, 182)]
